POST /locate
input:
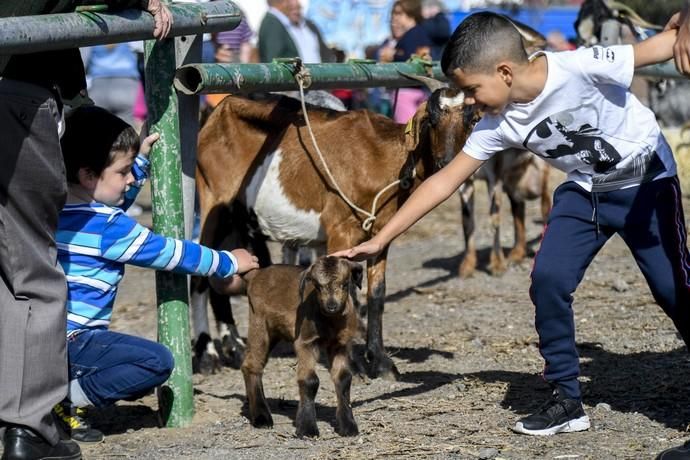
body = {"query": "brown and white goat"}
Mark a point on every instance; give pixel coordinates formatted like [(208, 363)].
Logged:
[(312, 309), (522, 176), (260, 153)]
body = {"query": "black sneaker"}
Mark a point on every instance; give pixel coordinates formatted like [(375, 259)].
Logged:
[(676, 453), (73, 421), (558, 415)]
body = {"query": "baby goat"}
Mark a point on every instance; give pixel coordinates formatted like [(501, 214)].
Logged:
[(313, 309)]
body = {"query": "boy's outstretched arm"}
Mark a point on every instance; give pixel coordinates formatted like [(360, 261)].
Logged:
[(428, 195), (123, 240), (656, 49)]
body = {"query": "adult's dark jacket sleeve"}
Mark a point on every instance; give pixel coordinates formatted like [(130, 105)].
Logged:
[(62, 69), (410, 42), (438, 30)]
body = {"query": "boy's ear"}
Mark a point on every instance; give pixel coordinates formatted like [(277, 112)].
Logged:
[(87, 178), (505, 71)]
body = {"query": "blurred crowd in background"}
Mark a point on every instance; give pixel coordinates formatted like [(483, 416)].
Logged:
[(380, 30)]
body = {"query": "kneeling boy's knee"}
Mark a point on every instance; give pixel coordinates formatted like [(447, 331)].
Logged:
[(161, 362), (167, 363)]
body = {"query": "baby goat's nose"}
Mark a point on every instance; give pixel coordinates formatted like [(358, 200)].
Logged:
[(332, 306)]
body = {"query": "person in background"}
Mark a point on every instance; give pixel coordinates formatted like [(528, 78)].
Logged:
[(236, 45), (113, 78), (285, 33), (378, 99), (34, 88), (408, 37), (436, 25), (231, 46), (556, 41)]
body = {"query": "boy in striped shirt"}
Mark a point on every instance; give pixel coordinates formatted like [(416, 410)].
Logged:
[(95, 240)]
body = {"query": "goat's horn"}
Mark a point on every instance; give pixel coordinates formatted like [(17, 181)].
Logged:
[(532, 40), (431, 83)]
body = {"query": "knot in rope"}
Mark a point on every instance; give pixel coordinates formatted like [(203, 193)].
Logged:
[(302, 74), (303, 78)]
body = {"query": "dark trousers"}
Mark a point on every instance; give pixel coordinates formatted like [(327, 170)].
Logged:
[(111, 366), (650, 220), (33, 361)]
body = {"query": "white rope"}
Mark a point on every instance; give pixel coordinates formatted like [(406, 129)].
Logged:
[(371, 216)]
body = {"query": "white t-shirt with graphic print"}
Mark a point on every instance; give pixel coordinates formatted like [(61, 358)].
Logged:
[(585, 122)]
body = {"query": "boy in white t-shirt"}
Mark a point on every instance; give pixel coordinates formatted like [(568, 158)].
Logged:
[(575, 110)]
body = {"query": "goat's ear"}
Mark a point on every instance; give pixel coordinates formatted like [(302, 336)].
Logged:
[(306, 277), (357, 274)]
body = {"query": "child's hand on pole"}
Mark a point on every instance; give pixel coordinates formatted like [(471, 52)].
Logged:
[(147, 142)]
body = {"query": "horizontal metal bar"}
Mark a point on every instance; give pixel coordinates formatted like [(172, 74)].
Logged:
[(280, 76), (665, 70), (28, 34)]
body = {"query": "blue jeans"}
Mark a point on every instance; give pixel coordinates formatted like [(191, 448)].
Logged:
[(111, 366)]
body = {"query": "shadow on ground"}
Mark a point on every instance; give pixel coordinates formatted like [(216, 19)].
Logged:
[(120, 419), (653, 384)]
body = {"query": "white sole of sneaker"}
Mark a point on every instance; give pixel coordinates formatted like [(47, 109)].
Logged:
[(571, 426)]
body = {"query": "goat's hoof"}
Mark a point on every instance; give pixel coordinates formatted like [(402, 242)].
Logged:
[(384, 368), (206, 359), (358, 364), (232, 350), (497, 270), (207, 364), (497, 265), (308, 430), (466, 268), (348, 428), (263, 421), (517, 255)]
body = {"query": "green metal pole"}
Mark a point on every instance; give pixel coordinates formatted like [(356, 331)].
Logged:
[(663, 70), (280, 76), (176, 400), (30, 34)]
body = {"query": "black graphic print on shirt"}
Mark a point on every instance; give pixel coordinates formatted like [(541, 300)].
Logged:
[(569, 136)]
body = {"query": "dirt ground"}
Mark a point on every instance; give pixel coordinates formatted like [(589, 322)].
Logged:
[(469, 363)]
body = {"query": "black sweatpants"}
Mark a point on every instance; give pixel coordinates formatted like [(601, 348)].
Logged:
[(650, 220)]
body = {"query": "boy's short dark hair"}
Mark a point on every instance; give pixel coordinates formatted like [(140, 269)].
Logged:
[(92, 136), (480, 42)]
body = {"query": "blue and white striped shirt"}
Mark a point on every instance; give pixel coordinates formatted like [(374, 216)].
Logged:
[(94, 243)]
